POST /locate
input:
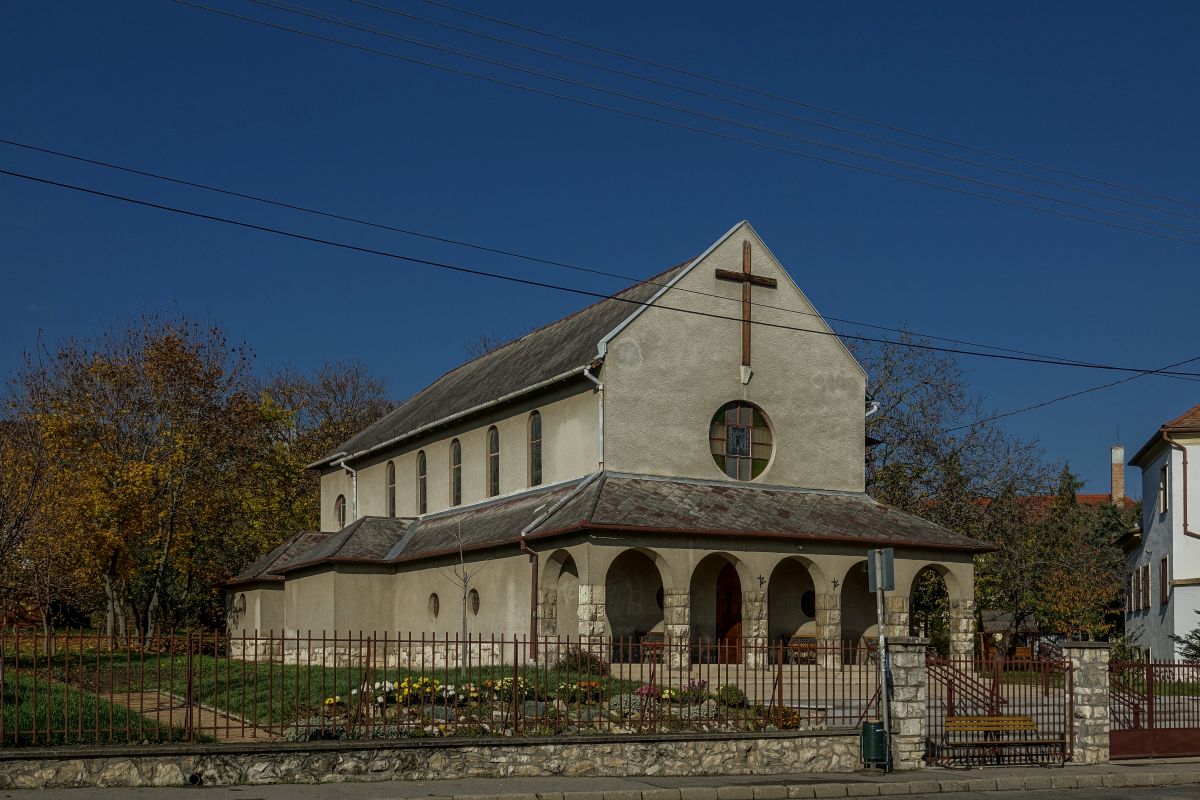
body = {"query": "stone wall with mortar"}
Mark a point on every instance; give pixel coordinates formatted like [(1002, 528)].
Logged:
[(1090, 699), (909, 704), (332, 762)]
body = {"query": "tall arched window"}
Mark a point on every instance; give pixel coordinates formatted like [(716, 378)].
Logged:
[(535, 449), (339, 511), (455, 473), (493, 461), (422, 496), (391, 488)]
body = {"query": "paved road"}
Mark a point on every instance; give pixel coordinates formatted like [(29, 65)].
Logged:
[(421, 789), (364, 791)]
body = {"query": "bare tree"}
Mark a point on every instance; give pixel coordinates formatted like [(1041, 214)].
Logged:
[(462, 580)]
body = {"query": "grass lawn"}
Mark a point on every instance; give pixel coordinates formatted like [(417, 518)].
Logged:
[(50, 713), (265, 694)]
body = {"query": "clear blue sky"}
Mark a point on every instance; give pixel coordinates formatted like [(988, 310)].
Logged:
[(1102, 89)]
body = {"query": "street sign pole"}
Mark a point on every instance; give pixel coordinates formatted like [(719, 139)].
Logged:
[(882, 576)]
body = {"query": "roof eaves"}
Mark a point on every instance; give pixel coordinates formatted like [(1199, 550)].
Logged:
[(338, 457), (602, 345)]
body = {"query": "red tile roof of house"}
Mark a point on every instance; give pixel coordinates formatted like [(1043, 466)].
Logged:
[(1187, 422)]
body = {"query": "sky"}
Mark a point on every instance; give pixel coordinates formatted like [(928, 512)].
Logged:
[(1098, 89)]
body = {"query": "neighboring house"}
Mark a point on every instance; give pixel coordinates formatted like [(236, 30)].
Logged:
[(1163, 554), (629, 470)]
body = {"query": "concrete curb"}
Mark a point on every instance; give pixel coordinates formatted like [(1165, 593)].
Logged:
[(867, 788)]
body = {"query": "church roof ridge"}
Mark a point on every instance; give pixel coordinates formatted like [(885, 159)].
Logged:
[(550, 354)]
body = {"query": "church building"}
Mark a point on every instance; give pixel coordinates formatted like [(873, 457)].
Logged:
[(684, 459)]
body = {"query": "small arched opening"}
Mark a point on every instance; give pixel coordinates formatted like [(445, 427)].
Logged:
[(716, 610), (633, 601)]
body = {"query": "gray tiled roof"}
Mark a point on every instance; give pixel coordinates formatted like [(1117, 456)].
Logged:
[(299, 544), (635, 503), (570, 343)]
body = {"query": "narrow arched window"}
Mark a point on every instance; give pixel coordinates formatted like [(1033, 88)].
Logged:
[(493, 461), (339, 511), (455, 473), (535, 449), (391, 488), (422, 496)]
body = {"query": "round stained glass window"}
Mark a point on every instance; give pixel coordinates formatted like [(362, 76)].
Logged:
[(741, 440)]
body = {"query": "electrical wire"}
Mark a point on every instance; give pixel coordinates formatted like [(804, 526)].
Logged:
[(1060, 398), (685, 126), (559, 287), (497, 251), (810, 106), (765, 109), (724, 120)]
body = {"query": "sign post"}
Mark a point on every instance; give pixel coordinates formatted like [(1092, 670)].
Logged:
[(881, 576)]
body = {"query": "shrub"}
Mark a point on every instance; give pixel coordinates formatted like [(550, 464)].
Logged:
[(695, 692), (585, 660), (730, 695), (581, 691)]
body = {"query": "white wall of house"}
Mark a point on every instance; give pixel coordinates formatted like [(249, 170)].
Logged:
[(1163, 536)]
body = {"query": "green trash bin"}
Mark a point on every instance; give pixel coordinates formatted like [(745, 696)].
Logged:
[(875, 746)]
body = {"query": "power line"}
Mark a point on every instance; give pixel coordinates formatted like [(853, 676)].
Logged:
[(559, 287), (685, 126), (493, 250), (1060, 398), (811, 106), (766, 109), (473, 56)]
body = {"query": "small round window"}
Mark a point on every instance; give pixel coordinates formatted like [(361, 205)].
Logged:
[(474, 598), (741, 441), (435, 605)]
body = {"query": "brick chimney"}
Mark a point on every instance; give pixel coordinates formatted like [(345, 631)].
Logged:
[(1118, 475)]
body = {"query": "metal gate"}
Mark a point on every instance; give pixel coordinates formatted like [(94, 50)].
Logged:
[(998, 711), (1154, 708)]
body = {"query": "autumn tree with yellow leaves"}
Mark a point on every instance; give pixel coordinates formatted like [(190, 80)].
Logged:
[(171, 465)]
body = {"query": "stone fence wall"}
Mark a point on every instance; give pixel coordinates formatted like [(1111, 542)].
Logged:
[(330, 762)]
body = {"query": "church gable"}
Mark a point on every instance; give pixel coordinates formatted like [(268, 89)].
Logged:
[(672, 367)]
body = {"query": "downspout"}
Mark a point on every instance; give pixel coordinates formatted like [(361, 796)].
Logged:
[(600, 391), (1186, 530), (353, 488)]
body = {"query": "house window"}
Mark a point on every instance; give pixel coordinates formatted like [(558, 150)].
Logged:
[(435, 606), (740, 440), (535, 449), (422, 496), (1162, 490), (493, 461), (455, 473), (1129, 593), (339, 511), (391, 488), (1164, 585), (474, 598), (1145, 586)]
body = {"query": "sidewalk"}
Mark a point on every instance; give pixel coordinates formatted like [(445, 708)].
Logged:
[(1141, 773)]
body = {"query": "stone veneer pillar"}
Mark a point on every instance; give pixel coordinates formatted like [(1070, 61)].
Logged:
[(895, 615), (910, 701), (754, 628), (829, 627), (547, 613), (591, 609), (677, 618), (1089, 696), (962, 629)]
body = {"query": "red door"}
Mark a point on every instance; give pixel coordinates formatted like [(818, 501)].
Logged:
[(729, 616)]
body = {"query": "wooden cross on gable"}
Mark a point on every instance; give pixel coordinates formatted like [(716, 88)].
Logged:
[(747, 279)]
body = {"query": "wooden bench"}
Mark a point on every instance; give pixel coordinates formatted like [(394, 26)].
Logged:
[(801, 649), (985, 736)]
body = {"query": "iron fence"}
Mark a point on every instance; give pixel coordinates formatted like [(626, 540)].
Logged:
[(1154, 708), (85, 688), (999, 710)]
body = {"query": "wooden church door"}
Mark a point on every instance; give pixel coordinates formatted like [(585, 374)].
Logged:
[(729, 616)]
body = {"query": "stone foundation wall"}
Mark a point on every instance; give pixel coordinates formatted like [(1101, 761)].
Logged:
[(338, 762)]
